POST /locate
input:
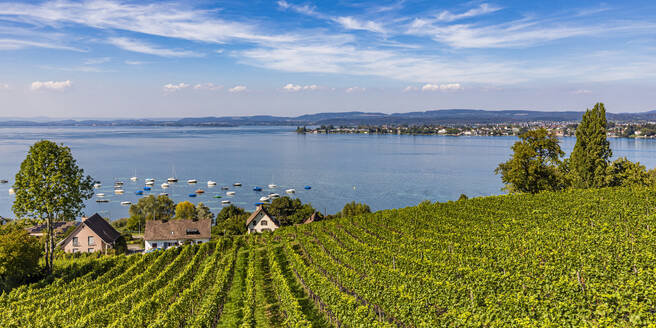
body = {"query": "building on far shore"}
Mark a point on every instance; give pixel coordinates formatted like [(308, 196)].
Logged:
[(165, 234), (261, 221), (93, 234), (58, 228)]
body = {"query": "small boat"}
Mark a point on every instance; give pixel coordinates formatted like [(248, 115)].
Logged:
[(224, 188), (150, 183), (125, 203), (134, 179), (138, 192), (237, 184), (100, 195), (97, 185), (4, 181), (192, 181), (118, 183), (290, 191), (274, 195), (264, 199), (230, 193), (12, 191), (150, 180), (217, 196), (225, 202), (307, 187), (147, 188), (102, 200), (165, 185), (163, 194), (118, 187), (192, 195), (200, 191), (257, 189), (172, 180), (211, 183), (273, 186), (259, 204), (119, 191)]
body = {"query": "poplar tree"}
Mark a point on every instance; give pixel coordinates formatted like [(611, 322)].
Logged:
[(50, 186), (591, 155)]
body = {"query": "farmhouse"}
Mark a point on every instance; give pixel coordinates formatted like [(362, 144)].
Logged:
[(91, 235), (261, 221), (165, 234)]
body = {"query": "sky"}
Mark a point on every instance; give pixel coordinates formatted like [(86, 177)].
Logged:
[(120, 59)]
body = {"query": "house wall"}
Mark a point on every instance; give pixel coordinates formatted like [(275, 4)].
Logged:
[(83, 245), (164, 244), (258, 224)]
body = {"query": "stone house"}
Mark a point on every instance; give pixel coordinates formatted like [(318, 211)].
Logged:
[(165, 234), (261, 221), (93, 234)]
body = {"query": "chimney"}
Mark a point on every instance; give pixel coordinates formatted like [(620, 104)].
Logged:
[(84, 218)]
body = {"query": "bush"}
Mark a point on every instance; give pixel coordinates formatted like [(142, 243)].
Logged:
[(19, 258)]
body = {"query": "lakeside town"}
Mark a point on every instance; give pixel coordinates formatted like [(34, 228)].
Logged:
[(559, 129)]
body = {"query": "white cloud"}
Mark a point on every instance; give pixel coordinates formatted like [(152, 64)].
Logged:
[(4, 86), (581, 92), (351, 23), (447, 16), (96, 61), (137, 46), (295, 87), (51, 85), (441, 87), (13, 44), (237, 88), (208, 86), (355, 89), (305, 9), (170, 87), (410, 88), (134, 62)]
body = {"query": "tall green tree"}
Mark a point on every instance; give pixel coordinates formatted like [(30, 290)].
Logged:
[(185, 211), (51, 186), (290, 211), (19, 258), (150, 208), (623, 172), (591, 155), (203, 212), (533, 166), (353, 209)]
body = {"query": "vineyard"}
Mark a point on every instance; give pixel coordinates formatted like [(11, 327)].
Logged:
[(576, 258)]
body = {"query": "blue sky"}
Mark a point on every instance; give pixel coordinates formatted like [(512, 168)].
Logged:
[(287, 57)]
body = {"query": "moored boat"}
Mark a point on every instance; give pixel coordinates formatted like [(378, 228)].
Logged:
[(119, 191), (192, 181), (237, 184), (163, 194), (200, 191), (192, 195), (274, 195), (165, 185), (4, 181), (225, 202), (147, 188), (102, 200), (290, 191), (273, 186), (97, 185), (150, 183), (257, 189), (125, 203), (138, 192), (264, 199), (230, 193), (307, 187), (100, 195), (211, 183), (12, 191), (171, 180), (224, 188)]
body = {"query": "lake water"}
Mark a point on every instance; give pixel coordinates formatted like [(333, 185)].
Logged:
[(384, 171)]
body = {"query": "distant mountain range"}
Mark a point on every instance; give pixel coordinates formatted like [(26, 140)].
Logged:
[(444, 116)]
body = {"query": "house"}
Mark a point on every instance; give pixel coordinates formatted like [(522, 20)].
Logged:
[(260, 221), (313, 218), (165, 234), (58, 228), (93, 234)]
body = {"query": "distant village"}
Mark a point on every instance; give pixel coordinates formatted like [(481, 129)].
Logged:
[(560, 129)]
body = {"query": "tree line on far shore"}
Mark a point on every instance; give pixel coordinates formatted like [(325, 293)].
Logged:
[(537, 163)]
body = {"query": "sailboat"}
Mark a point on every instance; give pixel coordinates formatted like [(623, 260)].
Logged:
[(172, 179), (134, 177)]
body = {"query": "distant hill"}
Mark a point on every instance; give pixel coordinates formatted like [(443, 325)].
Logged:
[(443, 116)]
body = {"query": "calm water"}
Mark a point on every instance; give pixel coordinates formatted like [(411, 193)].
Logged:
[(386, 171)]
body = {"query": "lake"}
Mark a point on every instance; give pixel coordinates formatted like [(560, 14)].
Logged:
[(384, 171)]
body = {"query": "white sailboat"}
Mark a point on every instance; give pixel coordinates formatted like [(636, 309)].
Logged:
[(211, 183), (165, 185), (172, 179), (230, 193), (290, 191), (134, 177)]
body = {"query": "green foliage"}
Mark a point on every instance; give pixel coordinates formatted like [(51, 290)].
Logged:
[(19, 258), (590, 157), (203, 212), (228, 212), (462, 197), (150, 208), (353, 208), (623, 172), (235, 225), (121, 245), (50, 185), (533, 166), (289, 211), (185, 211)]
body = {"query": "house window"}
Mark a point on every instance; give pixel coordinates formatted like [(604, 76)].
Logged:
[(154, 245), (199, 242), (263, 222), (75, 242), (75, 250), (92, 242), (90, 250)]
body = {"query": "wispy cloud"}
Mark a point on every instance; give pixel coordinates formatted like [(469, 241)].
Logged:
[(447, 16), (170, 87), (352, 23), (441, 87), (355, 89), (208, 86), (144, 48), (581, 92), (304, 9), (237, 89), (96, 61), (51, 85), (14, 44), (290, 87)]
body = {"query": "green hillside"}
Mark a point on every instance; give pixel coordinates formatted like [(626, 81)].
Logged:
[(576, 258)]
